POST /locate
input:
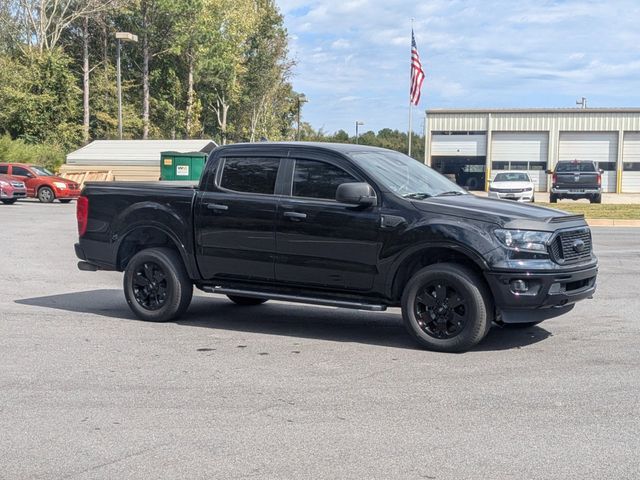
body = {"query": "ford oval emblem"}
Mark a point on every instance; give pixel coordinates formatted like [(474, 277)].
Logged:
[(578, 246)]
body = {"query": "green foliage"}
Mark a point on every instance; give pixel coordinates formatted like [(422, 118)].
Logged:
[(40, 99), (48, 155), (217, 69)]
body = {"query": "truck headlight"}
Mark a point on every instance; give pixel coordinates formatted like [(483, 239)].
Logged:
[(60, 185), (3, 183), (524, 240)]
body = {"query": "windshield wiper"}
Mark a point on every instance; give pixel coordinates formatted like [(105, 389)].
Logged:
[(417, 195), (452, 192)]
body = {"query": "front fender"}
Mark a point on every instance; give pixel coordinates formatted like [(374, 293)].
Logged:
[(467, 238)]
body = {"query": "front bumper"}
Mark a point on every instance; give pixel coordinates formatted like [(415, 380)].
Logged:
[(518, 197), (548, 294), (11, 193), (67, 193)]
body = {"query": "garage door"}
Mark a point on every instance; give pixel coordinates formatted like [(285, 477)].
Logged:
[(455, 145), (601, 147), (521, 151), (631, 162)]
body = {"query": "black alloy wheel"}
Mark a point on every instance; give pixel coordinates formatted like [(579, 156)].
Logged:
[(447, 307), (441, 310), (156, 285), (150, 286)]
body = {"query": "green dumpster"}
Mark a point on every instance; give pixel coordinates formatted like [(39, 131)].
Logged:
[(181, 166)]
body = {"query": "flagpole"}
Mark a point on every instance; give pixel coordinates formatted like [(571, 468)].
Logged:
[(410, 102), (410, 124)]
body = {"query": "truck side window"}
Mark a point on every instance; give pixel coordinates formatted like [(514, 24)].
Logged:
[(250, 175), (4, 169), (314, 179)]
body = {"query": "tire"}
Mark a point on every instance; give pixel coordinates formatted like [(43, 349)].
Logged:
[(553, 198), (533, 199), (65, 200), (421, 318), (10, 202), (171, 289), (596, 199), (246, 301), (46, 195)]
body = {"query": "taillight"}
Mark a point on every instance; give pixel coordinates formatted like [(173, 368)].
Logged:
[(82, 214), (554, 178), (599, 179)]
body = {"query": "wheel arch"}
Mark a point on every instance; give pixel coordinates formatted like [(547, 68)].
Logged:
[(432, 254), (142, 237)]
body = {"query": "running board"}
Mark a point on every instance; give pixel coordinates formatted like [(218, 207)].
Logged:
[(296, 298)]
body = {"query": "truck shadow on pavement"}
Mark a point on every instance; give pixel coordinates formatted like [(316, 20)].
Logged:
[(275, 318)]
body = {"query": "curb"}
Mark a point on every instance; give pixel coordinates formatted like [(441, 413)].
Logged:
[(612, 222)]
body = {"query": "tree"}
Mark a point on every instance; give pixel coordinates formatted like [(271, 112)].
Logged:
[(40, 24)]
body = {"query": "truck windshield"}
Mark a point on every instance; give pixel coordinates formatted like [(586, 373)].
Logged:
[(576, 167), (405, 176)]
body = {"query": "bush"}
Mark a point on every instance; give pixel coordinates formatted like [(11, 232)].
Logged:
[(19, 151)]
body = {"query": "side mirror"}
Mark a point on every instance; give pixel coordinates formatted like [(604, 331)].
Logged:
[(360, 194), (601, 171)]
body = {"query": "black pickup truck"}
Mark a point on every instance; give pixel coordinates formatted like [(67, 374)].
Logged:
[(576, 179), (341, 225)]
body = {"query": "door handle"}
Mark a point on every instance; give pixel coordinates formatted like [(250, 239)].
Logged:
[(217, 207), (295, 216)]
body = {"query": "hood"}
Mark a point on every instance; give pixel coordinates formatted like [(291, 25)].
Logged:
[(499, 212), (512, 184)]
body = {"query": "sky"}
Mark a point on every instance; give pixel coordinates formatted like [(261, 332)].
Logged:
[(353, 56)]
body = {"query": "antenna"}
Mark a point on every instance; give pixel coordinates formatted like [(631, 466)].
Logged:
[(582, 102)]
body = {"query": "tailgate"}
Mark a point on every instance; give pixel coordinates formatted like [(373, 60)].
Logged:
[(577, 179)]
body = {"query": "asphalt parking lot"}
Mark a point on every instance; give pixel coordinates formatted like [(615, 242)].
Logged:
[(288, 391)]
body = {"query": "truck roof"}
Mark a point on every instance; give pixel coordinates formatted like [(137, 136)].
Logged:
[(344, 148)]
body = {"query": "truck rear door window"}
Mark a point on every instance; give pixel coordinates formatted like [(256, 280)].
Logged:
[(250, 175)]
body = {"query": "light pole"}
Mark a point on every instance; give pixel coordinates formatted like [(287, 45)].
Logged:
[(301, 99), (121, 37), (358, 124)]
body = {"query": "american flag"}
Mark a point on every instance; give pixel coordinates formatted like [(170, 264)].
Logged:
[(417, 74)]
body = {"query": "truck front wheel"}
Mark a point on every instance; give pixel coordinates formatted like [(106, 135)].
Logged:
[(157, 286), (446, 307)]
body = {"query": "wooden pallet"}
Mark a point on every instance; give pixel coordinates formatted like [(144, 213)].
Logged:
[(89, 176)]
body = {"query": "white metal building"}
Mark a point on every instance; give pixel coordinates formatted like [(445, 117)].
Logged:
[(129, 159), (472, 146)]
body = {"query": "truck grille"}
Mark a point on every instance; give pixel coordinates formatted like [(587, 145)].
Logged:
[(571, 246), (509, 190)]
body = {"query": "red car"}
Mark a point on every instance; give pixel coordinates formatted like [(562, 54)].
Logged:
[(41, 183), (11, 189)]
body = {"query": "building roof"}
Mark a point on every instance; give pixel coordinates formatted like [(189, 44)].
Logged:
[(533, 110), (134, 152)]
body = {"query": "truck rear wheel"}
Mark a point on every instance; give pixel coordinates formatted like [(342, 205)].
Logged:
[(553, 198), (446, 307), (596, 199), (157, 286), (246, 301)]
